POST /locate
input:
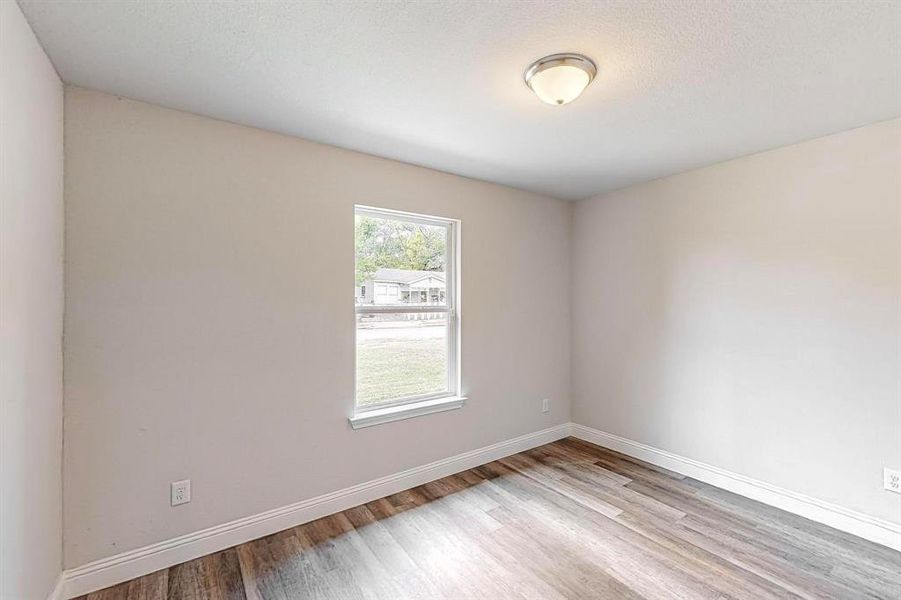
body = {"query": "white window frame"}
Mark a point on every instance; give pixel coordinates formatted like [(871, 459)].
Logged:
[(451, 398)]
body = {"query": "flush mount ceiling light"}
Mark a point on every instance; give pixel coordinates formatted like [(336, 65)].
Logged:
[(560, 78)]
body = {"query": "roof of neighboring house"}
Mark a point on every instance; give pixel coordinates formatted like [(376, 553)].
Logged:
[(405, 275)]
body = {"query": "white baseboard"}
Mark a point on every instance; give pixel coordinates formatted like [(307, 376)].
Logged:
[(850, 521), (57, 593), (135, 563)]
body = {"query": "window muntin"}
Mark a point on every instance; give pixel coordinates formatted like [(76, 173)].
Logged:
[(407, 331)]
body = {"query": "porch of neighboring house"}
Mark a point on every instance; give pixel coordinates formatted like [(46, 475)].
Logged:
[(402, 286)]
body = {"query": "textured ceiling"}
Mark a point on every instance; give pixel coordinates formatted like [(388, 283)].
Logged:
[(681, 84)]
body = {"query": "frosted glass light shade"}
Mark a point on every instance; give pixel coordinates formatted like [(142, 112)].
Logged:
[(560, 78)]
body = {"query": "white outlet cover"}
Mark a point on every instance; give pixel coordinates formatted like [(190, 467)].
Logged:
[(891, 479), (180, 492), (545, 405)]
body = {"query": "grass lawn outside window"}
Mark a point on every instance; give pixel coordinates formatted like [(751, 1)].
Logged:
[(401, 359)]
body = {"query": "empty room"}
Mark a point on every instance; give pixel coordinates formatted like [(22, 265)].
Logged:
[(447, 300)]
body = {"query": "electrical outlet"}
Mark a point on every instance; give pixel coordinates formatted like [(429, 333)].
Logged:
[(545, 405), (891, 480), (180, 492)]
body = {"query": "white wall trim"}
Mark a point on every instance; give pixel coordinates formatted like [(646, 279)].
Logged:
[(141, 561), (405, 411), (57, 592), (847, 520)]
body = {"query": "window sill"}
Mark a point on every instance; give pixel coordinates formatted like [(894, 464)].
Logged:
[(406, 411)]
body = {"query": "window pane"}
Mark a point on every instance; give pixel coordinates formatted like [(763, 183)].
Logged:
[(400, 355), (402, 262)]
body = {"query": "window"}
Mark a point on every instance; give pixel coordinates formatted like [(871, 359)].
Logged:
[(407, 332)]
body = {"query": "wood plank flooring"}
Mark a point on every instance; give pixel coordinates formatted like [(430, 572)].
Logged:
[(565, 520)]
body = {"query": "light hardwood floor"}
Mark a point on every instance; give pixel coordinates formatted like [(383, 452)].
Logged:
[(566, 520)]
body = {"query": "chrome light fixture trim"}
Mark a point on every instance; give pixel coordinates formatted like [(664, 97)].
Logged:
[(563, 59)]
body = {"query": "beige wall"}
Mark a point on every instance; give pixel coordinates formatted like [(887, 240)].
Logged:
[(31, 313), (747, 315), (209, 320)]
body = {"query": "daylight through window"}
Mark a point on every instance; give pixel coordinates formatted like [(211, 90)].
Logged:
[(405, 302)]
